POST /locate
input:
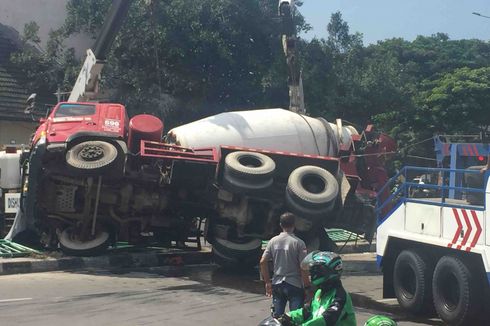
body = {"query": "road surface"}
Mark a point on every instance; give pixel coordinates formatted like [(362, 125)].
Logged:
[(190, 296)]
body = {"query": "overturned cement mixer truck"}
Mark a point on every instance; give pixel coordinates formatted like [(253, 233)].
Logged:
[(95, 177)]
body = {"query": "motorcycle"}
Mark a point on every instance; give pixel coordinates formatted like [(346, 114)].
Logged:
[(270, 321)]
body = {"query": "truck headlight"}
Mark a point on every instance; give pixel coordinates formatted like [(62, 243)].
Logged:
[(42, 138)]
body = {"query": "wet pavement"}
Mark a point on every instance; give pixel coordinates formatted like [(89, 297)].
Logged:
[(192, 295)]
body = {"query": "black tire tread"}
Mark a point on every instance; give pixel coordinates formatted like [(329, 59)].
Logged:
[(234, 168), (422, 301), (468, 310), (235, 185), (230, 257), (307, 212)]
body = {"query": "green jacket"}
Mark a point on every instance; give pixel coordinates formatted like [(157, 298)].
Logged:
[(331, 308)]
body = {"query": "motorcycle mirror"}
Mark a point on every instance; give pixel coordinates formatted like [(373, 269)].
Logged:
[(31, 102)]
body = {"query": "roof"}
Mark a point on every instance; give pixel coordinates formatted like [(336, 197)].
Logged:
[(13, 90), (13, 94)]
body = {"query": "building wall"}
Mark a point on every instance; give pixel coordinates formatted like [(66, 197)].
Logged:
[(48, 14), (16, 132)]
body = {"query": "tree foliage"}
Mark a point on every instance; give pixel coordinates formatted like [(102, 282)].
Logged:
[(458, 101), (45, 70)]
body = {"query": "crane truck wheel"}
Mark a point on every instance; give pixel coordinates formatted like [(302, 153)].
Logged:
[(237, 254), (236, 185), (412, 277), (249, 166), (91, 155), (456, 291), (71, 244), (312, 186)]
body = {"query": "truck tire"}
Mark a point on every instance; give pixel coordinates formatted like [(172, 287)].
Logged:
[(306, 212), (412, 278), (249, 166), (236, 255), (456, 291), (312, 186), (91, 155), (317, 239), (72, 246), (237, 185), (313, 244)]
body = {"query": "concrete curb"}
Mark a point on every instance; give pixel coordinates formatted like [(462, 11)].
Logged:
[(362, 301), (118, 260), (353, 263), (364, 262), (360, 266), (360, 248)]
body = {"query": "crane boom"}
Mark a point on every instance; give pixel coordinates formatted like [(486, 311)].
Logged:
[(289, 42), (86, 87)]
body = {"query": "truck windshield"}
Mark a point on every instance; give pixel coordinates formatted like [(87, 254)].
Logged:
[(74, 110)]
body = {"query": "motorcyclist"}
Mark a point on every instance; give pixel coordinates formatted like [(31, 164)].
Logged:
[(379, 320), (331, 304)]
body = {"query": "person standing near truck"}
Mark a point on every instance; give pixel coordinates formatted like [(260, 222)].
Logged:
[(286, 251)]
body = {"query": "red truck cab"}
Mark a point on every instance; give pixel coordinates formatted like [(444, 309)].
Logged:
[(69, 119), (87, 136)]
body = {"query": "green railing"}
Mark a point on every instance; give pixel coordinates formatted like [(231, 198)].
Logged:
[(340, 235), (9, 249)]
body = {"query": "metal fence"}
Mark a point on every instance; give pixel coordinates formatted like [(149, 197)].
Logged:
[(440, 186)]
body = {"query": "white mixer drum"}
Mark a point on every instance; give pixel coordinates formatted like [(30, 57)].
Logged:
[(270, 129)]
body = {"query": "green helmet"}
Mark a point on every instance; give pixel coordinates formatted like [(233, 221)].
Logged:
[(324, 266), (379, 320)]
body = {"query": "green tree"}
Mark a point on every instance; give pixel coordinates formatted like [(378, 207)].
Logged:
[(44, 70), (458, 101)]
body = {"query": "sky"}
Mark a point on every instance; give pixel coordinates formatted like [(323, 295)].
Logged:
[(382, 19)]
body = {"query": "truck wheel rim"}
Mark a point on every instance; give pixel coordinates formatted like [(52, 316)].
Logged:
[(92, 153), (250, 161), (70, 239), (450, 291), (407, 282), (313, 183)]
